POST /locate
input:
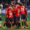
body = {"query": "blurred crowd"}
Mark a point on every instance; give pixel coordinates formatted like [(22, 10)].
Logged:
[(6, 3)]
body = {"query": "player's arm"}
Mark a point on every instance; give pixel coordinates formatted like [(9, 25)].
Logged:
[(26, 12)]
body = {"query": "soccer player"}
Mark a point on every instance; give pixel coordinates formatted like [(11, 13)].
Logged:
[(23, 12), (11, 17), (17, 14), (23, 16), (14, 6)]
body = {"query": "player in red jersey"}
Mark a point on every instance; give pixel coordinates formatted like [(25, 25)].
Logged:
[(11, 17), (23, 14), (14, 6), (17, 14)]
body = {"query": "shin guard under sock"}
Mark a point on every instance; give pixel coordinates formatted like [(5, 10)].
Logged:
[(22, 23), (12, 24), (18, 25)]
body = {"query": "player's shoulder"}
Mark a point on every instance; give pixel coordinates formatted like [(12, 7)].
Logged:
[(7, 8)]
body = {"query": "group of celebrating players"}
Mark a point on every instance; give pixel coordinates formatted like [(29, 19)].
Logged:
[(13, 14)]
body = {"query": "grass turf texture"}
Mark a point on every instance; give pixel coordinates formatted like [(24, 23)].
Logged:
[(3, 19), (17, 29)]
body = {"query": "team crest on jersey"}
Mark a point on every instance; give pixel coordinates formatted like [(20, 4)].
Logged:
[(22, 9), (18, 10), (10, 14)]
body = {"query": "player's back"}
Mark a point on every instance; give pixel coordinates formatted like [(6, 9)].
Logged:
[(22, 9)]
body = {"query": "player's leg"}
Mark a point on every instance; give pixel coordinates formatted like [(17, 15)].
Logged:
[(9, 23), (22, 19), (18, 22), (5, 23), (14, 20), (25, 22)]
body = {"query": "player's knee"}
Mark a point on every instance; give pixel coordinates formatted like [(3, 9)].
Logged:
[(12, 22), (22, 20)]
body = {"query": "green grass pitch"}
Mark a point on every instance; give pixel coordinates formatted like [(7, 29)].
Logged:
[(18, 29)]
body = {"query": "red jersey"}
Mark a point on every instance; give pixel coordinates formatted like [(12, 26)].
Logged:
[(11, 13), (22, 10), (17, 12)]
